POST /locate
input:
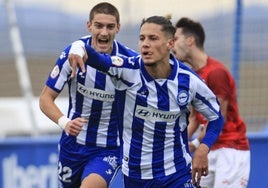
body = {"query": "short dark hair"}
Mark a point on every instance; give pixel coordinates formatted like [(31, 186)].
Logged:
[(104, 8), (165, 22), (191, 27)]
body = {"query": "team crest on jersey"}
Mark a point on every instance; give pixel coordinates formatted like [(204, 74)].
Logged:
[(182, 97), (117, 61), (55, 72)]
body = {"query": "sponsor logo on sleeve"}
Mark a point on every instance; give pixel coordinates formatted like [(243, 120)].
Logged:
[(55, 72), (117, 61)]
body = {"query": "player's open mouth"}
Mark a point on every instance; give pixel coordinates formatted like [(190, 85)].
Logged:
[(103, 41), (146, 54)]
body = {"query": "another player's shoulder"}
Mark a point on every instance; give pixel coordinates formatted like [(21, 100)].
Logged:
[(63, 56), (80, 42), (214, 65), (85, 39), (212, 62), (185, 72), (124, 50), (183, 68)]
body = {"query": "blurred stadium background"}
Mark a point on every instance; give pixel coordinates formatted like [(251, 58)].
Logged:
[(236, 34)]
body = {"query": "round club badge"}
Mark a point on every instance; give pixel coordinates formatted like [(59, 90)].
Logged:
[(182, 97), (55, 72), (117, 61)]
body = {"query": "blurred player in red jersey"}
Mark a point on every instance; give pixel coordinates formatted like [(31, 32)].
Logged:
[(229, 158)]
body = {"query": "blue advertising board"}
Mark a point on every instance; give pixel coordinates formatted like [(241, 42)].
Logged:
[(28, 162), (31, 162)]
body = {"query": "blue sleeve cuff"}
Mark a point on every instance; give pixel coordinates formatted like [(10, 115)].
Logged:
[(213, 131)]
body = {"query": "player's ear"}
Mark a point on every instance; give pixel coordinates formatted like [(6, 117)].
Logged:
[(89, 26), (190, 40), (171, 43), (118, 27)]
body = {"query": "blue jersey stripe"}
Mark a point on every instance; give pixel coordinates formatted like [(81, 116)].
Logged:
[(79, 97), (160, 130), (96, 108), (159, 148)]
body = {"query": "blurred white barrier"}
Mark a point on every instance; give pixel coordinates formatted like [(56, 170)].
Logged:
[(15, 118)]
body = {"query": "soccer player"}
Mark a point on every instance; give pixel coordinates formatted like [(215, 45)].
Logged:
[(229, 158), (89, 150), (157, 93)]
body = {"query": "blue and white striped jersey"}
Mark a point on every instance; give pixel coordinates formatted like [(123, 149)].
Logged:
[(92, 96), (155, 114)]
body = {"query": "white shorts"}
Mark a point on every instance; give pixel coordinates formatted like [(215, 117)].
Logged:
[(228, 168)]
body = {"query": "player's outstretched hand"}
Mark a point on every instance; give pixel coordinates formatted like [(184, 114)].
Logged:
[(77, 61)]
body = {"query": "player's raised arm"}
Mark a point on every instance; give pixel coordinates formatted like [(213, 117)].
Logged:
[(97, 60), (77, 57)]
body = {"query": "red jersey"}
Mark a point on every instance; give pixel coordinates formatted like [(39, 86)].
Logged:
[(221, 82)]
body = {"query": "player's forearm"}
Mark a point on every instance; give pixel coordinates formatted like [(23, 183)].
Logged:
[(213, 131), (50, 110), (48, 106), (99, 61)]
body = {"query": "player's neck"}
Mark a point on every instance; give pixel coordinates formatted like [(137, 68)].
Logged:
[(198, 60), (160, 70)]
